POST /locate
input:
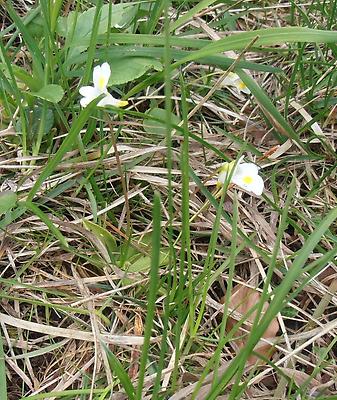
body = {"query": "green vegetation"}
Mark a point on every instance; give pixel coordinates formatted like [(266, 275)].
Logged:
[(127, 270)]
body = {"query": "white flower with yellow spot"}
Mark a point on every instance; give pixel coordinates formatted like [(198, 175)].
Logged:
[(244, 175), (101, 77), (233, 79)]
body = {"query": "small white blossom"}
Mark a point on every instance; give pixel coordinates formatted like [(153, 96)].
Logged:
[(244, 175), (233, 79), (101, 77)]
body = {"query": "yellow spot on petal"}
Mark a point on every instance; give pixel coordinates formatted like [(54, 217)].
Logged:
[(242, 86), (122, 103), (101, 82), (247, 180)]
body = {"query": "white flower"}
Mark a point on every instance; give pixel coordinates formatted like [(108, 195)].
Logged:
[(101, 77), (244, 175), (233, 79)]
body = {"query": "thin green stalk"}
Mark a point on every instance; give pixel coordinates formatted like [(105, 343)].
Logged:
[(190, 13), (35, 52), (152, 294), (3, 378), (93, 43), (55, 11), (231, 274), (156, 11), (66, 145), (44, 218), (185, 243), (209, 262), (72, 393), (268, 106), (163, 346)]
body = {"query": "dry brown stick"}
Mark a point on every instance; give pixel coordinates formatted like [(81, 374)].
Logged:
[(123, 340)]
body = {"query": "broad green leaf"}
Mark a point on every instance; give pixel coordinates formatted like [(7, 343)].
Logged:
[(102, 234), (126, 69), (52, 93), (34, 120), (26, 78), (121, 15), (7, 201), (36, 26), (158, 127), (77, 28), (141, 262)]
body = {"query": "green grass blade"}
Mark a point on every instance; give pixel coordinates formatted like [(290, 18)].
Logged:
[(158, 52), (117, 368), (191, 13), (3, 379), (271, 37), (68, 394), (66, 145), (238, 41), (156, 11), (272, 112), (92, 46), (43, 217), (29, 40), (153, 289), (13, 87)]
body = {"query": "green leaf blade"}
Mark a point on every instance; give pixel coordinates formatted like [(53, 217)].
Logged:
[(53, 93), (8, 200)]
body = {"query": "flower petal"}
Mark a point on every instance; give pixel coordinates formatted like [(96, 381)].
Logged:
[(254, 185), (85, 101), (109, 100), (230, 79), (222, 177), (241, 87), (101, 77), (233, 79), (227, 169), (244, 175), (122, 103), (247, 169), (105, 69), (245, 90), (250, 182), (89, 91), (258, 186)]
